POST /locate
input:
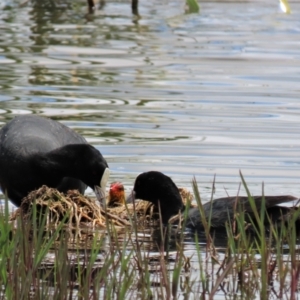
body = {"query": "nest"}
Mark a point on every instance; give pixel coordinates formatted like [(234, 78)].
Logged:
[(79, 211)]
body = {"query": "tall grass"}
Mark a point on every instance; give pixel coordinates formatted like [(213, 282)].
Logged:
[(254, 264), (39, 263)]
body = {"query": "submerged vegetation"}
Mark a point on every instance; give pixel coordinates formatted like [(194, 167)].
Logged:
[(148, 262)]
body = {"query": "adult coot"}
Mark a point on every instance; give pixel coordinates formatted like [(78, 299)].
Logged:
[(36, 151), (159, 189)]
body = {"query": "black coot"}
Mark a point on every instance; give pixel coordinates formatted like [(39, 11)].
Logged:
[(157, 188), (36, 151)]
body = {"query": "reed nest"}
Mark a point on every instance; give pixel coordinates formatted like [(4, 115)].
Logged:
[(77, 210)]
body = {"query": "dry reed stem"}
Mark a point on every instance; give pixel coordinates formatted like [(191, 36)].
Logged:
[(82, 210)]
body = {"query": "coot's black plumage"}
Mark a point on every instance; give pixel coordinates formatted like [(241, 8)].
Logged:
[(158, 188), (35, 151)]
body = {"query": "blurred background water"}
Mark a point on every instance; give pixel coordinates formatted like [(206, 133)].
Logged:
[(186, 94)]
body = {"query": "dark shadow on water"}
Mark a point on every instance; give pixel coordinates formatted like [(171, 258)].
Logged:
[(170, 240), (92, 6)]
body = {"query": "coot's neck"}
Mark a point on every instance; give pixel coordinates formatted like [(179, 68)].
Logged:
[(171, 208)]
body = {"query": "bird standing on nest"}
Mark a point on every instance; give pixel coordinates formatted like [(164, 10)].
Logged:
[(36, 151)]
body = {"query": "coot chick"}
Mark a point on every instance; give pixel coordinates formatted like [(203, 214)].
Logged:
[(36, 151), (158, 188), (116, 195)]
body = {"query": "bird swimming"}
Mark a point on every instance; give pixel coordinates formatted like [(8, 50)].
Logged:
[(159, 189), (36, 151)]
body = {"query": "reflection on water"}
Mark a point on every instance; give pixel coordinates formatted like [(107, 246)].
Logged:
[(198, 94), (186, 94)]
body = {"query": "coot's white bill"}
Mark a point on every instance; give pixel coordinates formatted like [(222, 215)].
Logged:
[(100, 191)]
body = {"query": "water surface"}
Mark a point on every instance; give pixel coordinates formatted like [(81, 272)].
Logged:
[(186, 94)]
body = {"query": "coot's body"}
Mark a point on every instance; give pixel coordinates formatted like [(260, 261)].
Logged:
[(36, 151), (159, 189)]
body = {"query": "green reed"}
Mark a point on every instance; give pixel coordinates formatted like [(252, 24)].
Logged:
[(256, 260)]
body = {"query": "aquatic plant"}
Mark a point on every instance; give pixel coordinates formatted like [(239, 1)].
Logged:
[(156, 262)]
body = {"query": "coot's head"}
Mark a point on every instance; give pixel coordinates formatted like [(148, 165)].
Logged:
[(81, 161), (159, 189), (93, 169)]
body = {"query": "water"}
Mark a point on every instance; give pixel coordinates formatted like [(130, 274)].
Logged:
[(186, 94)]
